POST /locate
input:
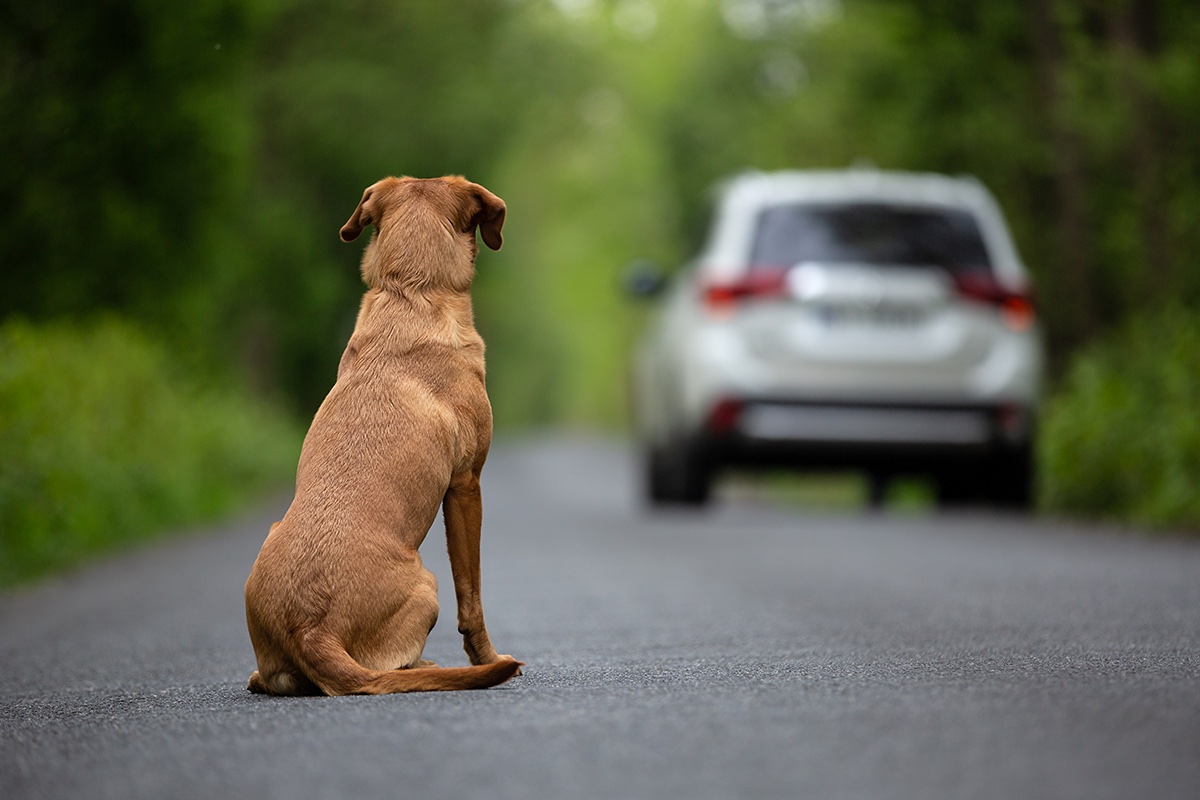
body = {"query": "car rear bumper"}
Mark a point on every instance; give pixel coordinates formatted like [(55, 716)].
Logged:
[(874, 436)]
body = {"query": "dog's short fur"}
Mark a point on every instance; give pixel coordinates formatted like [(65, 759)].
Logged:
[(338, 601)]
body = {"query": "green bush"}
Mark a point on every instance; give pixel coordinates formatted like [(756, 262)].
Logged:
[(1121, 437), (102, 441)]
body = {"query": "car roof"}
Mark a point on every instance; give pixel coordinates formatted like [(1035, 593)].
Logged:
[(743, 196), (848, 184)]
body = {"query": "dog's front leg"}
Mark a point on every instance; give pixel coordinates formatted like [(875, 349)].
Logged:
[(463, 512)]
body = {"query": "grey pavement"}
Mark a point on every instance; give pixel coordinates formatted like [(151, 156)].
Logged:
[(758, 650)]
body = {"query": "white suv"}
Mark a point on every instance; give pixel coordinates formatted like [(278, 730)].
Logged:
[(859, 319)]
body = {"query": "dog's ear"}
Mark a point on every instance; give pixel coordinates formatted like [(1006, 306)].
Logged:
[(363, 216), (488, 212)]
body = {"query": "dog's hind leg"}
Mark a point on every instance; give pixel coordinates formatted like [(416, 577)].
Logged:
[(421, 615), (399, 640), (276, 673), (286, 682)]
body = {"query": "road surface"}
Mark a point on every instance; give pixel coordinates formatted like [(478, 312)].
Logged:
[(757, 650)]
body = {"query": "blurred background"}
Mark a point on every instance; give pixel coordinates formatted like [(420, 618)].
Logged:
[(174, 297)]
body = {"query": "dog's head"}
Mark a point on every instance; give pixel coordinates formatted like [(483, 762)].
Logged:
[(424, 228)]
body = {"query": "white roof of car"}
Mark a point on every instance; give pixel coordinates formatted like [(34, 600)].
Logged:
[(743, 196), (768, 188)]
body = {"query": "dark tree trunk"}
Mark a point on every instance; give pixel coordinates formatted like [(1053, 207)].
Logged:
[(1077, 287), (1134, 36)]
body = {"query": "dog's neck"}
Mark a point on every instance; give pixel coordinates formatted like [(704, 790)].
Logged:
[(412, 254), (396, 321)]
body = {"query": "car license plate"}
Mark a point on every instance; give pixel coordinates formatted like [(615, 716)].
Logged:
[(882, 316)]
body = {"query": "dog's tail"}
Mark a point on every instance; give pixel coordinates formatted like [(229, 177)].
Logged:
[(327, 664)]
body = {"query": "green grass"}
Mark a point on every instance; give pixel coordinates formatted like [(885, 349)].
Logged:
[(1120, 438), (833, 491), (103, 442)]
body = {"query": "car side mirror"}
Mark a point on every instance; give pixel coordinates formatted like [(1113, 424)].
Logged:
[(644, 280)]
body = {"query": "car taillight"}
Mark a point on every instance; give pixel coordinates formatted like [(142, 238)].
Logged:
[(1014, 421), (722, 297), (1016, 308), (724, 416)]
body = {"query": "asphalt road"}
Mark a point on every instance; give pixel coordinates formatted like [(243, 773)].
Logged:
[(756, 651)]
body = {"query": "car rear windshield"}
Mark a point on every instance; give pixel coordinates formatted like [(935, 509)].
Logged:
[(869, 233)]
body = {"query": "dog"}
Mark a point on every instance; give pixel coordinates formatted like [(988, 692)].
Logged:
[(338, 601)]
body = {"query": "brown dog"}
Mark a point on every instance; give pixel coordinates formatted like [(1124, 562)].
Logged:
[(338, 601)]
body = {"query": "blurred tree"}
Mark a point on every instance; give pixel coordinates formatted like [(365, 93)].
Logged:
[(125, 141), (192, 168)]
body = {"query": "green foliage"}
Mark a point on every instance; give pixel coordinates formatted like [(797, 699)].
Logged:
[(126, 153), (190, 170), (1121, 436), (102, 442)]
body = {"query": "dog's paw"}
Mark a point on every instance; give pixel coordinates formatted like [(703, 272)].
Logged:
[(502, 657)]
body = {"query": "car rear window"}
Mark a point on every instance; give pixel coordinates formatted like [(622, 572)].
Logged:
[(869, 233)]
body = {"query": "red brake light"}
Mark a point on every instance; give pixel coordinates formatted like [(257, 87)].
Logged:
[(1016, 308), (722, 297), (724, 416)]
